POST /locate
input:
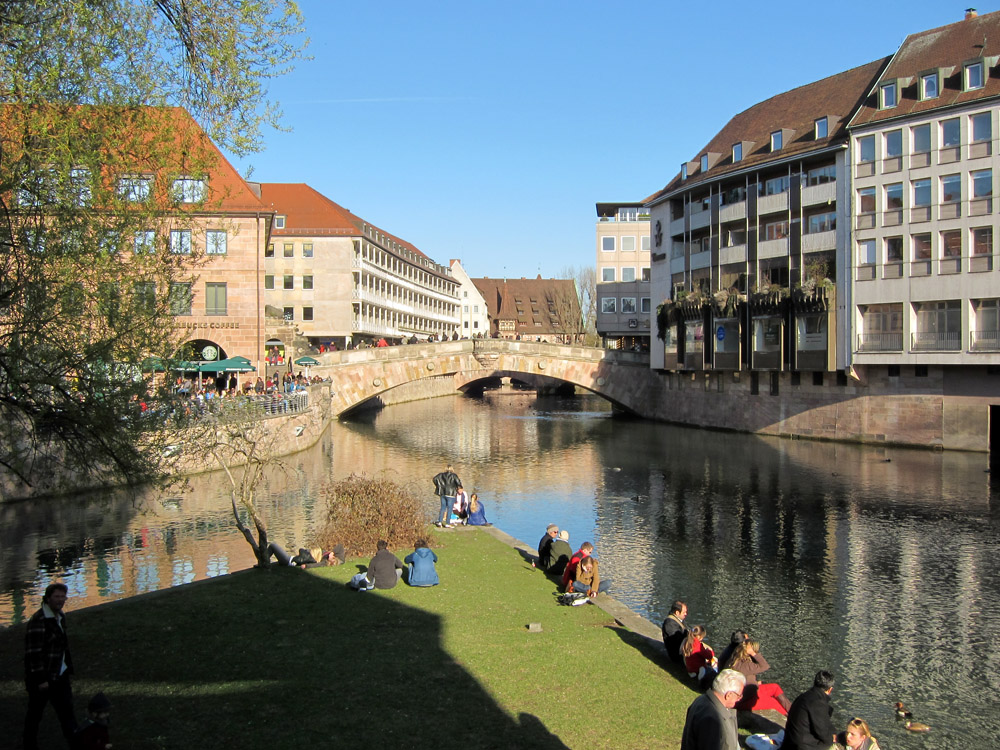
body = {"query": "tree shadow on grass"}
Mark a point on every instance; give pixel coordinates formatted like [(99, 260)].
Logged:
[(272, 660)]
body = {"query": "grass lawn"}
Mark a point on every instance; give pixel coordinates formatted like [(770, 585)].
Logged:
[(284, 659)]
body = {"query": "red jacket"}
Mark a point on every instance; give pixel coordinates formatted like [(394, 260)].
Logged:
[(571, 566)]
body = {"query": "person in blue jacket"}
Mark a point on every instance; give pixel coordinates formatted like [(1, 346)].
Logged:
[(477, 512), (421, 563)]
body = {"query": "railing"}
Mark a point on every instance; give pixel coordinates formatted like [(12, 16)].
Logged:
[(880, 342), (239, 408), (948, 341), (985, 341)]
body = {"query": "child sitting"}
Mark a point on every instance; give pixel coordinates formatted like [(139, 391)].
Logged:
[(698, 655), (93, 733)]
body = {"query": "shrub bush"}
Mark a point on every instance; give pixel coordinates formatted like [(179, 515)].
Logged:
[(362, 510)]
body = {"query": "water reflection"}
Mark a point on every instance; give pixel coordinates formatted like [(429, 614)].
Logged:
[(880, 564)]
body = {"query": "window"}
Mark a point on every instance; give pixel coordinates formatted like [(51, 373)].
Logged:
[(866, 149), (645, 273), (982, 127), (645, 305), (951, 243), (737, 152), (921, 247), (704, 162), (180, 241), (307, 282), (644, 243), (951, 132), (776, 138), (145, 242), (79, 185), (821, 128), (628, 244), (894, 196), (825, 222), (951, 188), (279, 222), (216, 241), (268, 281), (928, 86), (628, 305), (180, 298), (607, 274), (144, 296), (921, 193), (921, 136), (982, 241), (776, 230), (887, 95), (307, 313), (307, 250), (973, 76), (821, 175), (269, 252), (608, 304), (982, 183), (288, 282), (628, 274), (733, 195), (893, 249), (776, 185), (607, 244), (289, 250), (684, 171), (475, 309), (134, 189), (188, 190), (867, 255), (893, 144), (866, 200), (215, 298), (288, 314)]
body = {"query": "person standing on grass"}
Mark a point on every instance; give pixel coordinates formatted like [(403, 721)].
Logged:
[(48, 666), (446, 484), (711, 719)]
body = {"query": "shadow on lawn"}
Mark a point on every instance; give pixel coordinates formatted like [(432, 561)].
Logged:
[(272, 660)]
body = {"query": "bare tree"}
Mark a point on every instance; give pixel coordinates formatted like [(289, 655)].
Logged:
[(585, 278)]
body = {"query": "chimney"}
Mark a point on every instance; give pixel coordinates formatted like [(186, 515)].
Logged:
[(970, 13)]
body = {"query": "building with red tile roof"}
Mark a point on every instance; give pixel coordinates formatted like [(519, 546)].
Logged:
[(532, 309), (342, 280)]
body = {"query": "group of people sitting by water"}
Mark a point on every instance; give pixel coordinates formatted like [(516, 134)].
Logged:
[(578, 572), (458, 508), (731, 683), (385, 570)]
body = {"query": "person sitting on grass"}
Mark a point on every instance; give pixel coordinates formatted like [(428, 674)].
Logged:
[(586, 579), (93, 732), (421, 565), (747, 660), (559, 554), (385, 569), (477, 512), (460, 508), (585, 550), (699, 657)]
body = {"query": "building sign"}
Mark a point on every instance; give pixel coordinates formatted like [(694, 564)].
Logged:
[(205, 324)]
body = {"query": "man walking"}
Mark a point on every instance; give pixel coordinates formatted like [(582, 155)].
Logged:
[(446, 484), (711, 719), (48, 666)]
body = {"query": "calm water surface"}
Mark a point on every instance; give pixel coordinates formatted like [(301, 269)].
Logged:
[(882, 565)]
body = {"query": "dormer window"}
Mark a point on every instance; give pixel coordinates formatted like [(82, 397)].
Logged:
[(929, 86), (188, 190), (279, 222), (973, 75), (737, 152), (821, 128), (684, 171), (776, 140), (704, 162), (887, 95)]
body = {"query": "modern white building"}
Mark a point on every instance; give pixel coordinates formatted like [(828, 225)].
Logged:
[(473, 314), (624, 306)]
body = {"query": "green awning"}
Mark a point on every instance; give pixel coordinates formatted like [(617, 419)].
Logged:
[(307, 361)]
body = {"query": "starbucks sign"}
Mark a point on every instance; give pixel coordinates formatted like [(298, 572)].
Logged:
[(209, 353)]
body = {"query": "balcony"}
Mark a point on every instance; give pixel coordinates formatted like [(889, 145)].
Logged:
[(819, 194), (936, 341), (733, 211), (880, 342), (773, 248), (985, 341), (700, 217), (677, 227), (767, 204), (733, 254), (812, 243)]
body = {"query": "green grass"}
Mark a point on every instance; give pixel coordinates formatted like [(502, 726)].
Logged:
[(285, 658)]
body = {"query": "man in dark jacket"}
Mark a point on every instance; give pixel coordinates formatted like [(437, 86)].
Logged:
[(559, 554), (809, 726), (545, 545), (711, 719), (385, 569), (48, 666), (675, 631), (446, 484)]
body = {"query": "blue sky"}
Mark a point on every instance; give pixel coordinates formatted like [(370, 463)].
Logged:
[(487, 131)]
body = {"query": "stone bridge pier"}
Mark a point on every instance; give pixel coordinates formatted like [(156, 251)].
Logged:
[(623, 378)]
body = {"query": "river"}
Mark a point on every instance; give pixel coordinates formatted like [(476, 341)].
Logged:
[(880, 564)]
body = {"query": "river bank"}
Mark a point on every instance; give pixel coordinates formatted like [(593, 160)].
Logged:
[(283, 657)]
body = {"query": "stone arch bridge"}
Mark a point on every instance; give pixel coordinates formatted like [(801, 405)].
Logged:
[(623, 378)]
